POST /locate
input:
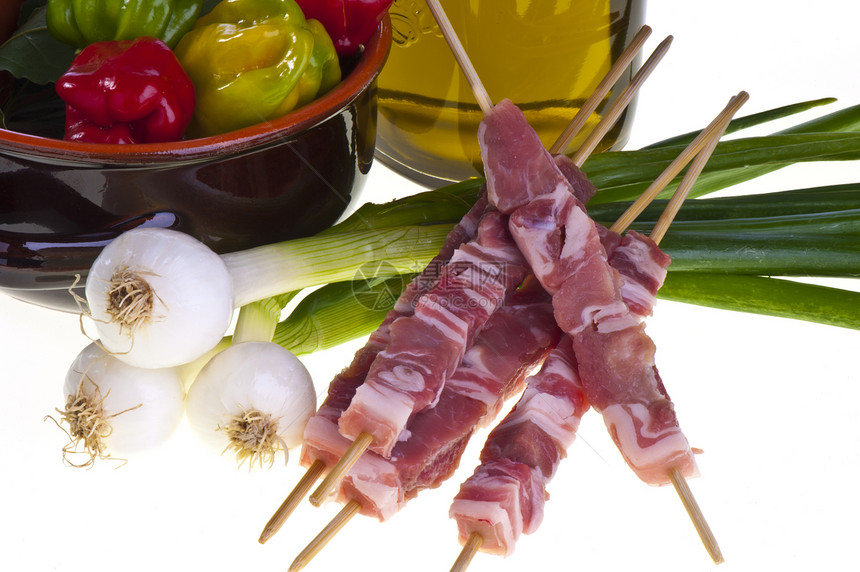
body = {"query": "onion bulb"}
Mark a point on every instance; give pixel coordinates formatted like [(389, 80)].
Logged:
[(114, 409), (159, 298), (252, 399)]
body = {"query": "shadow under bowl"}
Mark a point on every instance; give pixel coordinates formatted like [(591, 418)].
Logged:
[(61, 202)]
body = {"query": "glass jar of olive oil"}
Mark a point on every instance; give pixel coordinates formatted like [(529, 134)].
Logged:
[(547, 56)]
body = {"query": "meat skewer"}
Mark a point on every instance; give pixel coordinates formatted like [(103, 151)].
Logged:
[(523, 451), (351, 508), (517, 338), (356, 372), (363, 440), (343, 386), (562, 246), (504, 496), (615, 355), (426, 348), (354, 505)]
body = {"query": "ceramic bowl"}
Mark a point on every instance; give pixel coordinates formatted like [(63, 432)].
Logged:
[(61, 201)]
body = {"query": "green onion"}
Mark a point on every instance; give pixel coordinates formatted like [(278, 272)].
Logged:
[(330, 257), (254, 397), (766, 296), (338, 313), (799, 201), (160, 298), (731, 240)]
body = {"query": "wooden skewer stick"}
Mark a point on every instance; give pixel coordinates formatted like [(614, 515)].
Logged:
[(473, 543), (475, 540), (335, 475), (348, 511), (292, 501), (470, 548), (676, 166), (621, 64), (667, 216), (620, 104), (696, 515), (360, 445), (695, 169), (463, 61)]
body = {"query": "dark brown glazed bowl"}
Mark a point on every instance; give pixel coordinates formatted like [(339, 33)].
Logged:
[(61, 201)]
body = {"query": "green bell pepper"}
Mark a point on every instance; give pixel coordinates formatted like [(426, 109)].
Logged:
[(84, 22), (255, 60)]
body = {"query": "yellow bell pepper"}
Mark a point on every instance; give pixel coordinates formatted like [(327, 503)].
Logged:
[(255, 60)]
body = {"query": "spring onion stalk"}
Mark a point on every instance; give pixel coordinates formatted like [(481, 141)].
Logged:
[(296, 264), (257, 320), (806, 201), (797, 232), (254, 398), (767, 296), (338, 313), (160, 298), (114, 410), (336, 255)]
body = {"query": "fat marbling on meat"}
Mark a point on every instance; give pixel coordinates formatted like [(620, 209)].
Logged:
[(515, 339), (504, 497), (425, 349), (563, 247)]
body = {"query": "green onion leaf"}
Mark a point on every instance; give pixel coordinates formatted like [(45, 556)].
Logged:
[(337, 313), (766, 296)]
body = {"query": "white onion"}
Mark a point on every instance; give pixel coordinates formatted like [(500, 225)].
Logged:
[(191, 302), (135, 409), (193, 291), (258, 380)]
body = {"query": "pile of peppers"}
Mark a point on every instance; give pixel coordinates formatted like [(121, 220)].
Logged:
[(152, 71)]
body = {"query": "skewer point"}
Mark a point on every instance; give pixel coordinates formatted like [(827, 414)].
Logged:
[(292, 501), (313, 548), (696, 515), (478, 89)]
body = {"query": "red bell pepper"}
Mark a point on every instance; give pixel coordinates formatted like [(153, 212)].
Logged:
[(126, 91), (350, 23)]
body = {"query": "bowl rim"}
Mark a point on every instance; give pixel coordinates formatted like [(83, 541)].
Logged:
[(255, 136)]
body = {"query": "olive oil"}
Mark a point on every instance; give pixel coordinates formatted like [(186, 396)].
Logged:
[(547, 56)]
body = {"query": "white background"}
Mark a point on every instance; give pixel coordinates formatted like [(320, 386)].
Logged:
[(772, 402)]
